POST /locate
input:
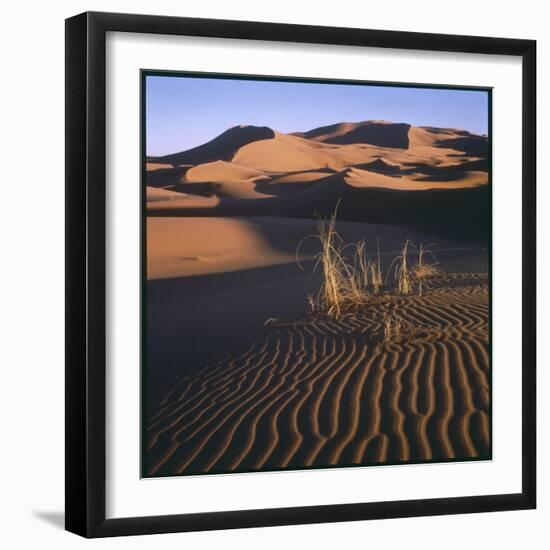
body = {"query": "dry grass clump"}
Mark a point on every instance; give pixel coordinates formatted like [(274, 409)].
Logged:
[(344, 283), (360, 262), (425, 270), (402, 275), (393, 327), (376, 271), (396, 330), (312, 303), (350, 277), (412, 278), (368, 272)]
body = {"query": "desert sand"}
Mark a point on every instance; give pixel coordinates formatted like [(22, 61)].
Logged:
[(242, 375), (322, 393)]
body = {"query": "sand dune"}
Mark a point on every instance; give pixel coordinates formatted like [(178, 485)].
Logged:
[(252, 171), (373, 132), (417, 182), (154, 194), (192, 246), (182, 202), (316, 392), (382, 166), (152, 166), (424, 136), (285, 153), (305, 176), (222, 147), (220, 171), (223, 179), (377, 146)]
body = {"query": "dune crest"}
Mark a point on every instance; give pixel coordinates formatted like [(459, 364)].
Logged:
[(220, 171), (282, 154), (222, 147), (371, 132)]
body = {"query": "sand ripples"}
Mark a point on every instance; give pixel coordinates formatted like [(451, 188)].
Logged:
[(320, 393)]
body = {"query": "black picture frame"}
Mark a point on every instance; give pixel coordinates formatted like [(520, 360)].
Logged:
[(86, 267)]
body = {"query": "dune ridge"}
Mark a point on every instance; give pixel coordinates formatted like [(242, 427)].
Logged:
[(319, 392), (373, 132), (257, 171), (222, 147), (337, 147)]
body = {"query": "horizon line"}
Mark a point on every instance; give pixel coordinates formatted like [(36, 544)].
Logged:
[(385, 121)]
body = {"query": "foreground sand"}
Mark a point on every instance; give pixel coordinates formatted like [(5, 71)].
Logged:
[(229, 391), (313, 392)]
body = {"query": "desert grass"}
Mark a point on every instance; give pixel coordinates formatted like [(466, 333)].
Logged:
[(414, 278), (395, 329), (426, 269), (351, 278), (402, 273), (361, 263), (367, 272), (392, 327), (376, 271), (338, 281), (345, 282)]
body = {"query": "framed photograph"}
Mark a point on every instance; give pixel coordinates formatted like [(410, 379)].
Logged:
[(300, 274)]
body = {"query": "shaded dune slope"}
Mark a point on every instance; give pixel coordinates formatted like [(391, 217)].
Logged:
[(455, 213), (380, 133), (318, 393), (222, 147)]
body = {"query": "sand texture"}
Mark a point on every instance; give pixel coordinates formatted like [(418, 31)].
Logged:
[(320, 392)]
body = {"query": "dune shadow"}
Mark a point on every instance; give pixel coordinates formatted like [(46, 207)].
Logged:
[(379, 166), (480, 165), (289, 185), (165, 176), (459, 214), (394, 135), (471, 145)]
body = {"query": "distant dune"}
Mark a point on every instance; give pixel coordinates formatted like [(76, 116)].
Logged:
[(297, 174), (223, 147), (158, 194), (379, 133), (220, 171)]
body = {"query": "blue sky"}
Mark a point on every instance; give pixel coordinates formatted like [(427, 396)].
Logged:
[(183, 112)]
